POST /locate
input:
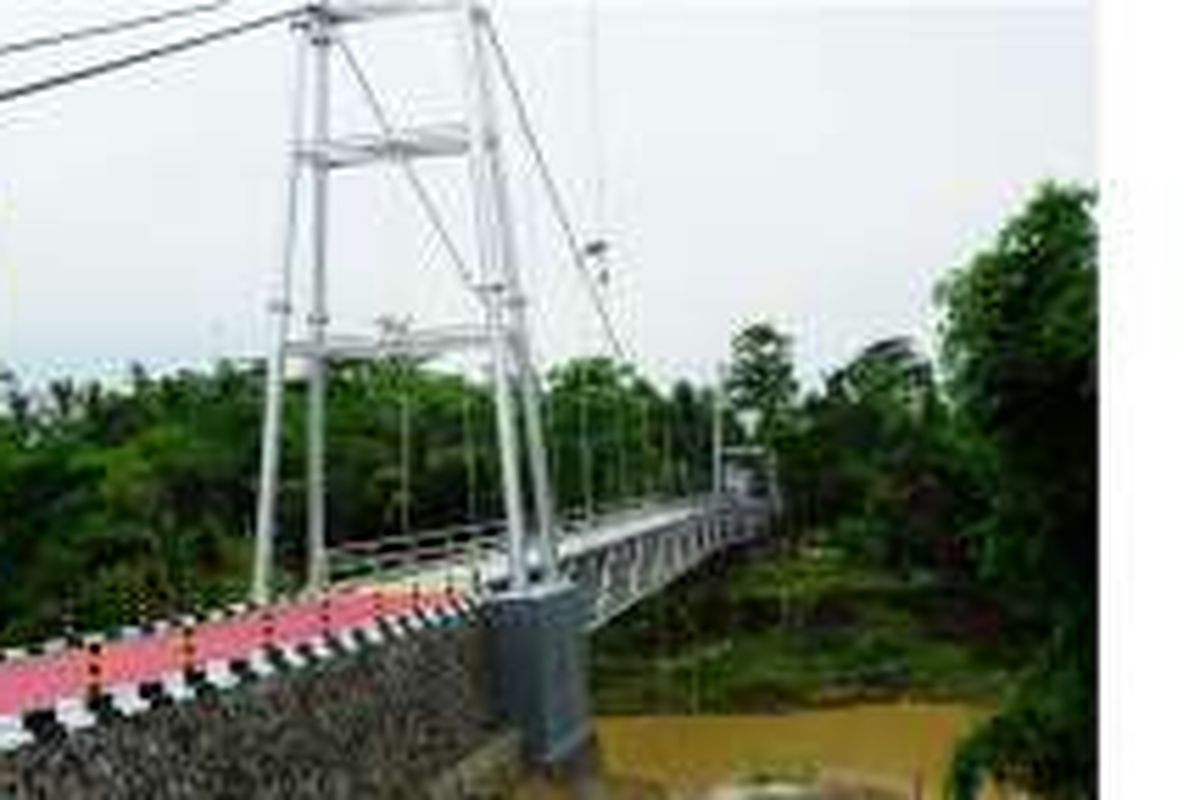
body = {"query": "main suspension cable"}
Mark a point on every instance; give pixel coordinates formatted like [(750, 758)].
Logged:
[(144, 56), (106, 28), (424, 198), (556, 201)]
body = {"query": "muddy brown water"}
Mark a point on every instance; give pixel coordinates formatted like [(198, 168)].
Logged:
[(867, 752)]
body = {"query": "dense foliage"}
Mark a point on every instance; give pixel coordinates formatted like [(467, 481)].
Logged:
[(986, 478), (1020, 351), (121, 503)]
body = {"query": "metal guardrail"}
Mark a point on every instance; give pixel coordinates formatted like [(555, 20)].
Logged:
[(470, 544), (618, 557), (453, 549)]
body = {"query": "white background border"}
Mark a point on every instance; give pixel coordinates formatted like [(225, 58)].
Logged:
[(1150, 507)]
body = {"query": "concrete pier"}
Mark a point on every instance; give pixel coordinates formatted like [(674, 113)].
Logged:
[(538, 666)]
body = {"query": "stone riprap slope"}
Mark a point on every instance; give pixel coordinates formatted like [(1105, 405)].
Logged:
[(369, 716)]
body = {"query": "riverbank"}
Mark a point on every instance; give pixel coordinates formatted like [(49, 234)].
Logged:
[(777, 630)]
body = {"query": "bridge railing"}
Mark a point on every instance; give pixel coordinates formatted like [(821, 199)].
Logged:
[(631, 550), (456, 553), (576, 520), (470, 547), (643, 559)]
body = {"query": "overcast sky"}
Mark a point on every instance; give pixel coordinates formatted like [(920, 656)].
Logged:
[(818, 166)]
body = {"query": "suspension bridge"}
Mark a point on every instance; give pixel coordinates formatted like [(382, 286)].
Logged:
[(535, 580)]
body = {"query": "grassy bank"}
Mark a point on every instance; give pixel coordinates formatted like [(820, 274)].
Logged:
[(781, 628)]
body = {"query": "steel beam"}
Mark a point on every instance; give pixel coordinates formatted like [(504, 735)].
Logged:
[(418, 345), (427, 141), (351, 12)]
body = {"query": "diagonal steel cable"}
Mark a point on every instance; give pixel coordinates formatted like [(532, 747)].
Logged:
[(143, 56), (556, 200), (424, 198), (106, 28)]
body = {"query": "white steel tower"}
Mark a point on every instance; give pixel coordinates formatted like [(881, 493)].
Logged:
[(504, 332)]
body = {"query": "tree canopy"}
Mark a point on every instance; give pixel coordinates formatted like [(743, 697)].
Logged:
[(762, 377), (121, 503), (1020, 354)]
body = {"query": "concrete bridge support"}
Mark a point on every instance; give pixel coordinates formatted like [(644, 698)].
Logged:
[(538, 667)]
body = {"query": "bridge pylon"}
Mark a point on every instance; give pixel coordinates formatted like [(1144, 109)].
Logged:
[(503, 331)]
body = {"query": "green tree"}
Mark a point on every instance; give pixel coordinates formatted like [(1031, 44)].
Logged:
[(1019, 349), (875, 464), (762, 376)]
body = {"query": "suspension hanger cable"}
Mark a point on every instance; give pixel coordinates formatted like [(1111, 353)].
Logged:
[(574, 244), (547, 398), (598, 246), (585, 454), (475, 525), (424, 197), (671, 476), (598, 176), (406, 479), (622, 437), (647, 450), (106, 28), (144, 56), (469, 456)]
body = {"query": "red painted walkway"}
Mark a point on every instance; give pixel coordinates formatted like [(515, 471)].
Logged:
[(36, 682)]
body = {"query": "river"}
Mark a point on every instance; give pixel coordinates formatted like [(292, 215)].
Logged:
[(895, 750)]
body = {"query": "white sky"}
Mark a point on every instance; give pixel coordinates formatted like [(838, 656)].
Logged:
[(819, 166)]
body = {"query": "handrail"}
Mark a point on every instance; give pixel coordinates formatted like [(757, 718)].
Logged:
[(471, 545)]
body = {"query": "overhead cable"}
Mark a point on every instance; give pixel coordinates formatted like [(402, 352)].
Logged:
[(556, 201), (599, 205), (104, 29), (143, 56)]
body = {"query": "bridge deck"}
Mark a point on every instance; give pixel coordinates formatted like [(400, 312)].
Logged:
[(32, 681), (634, 525)]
